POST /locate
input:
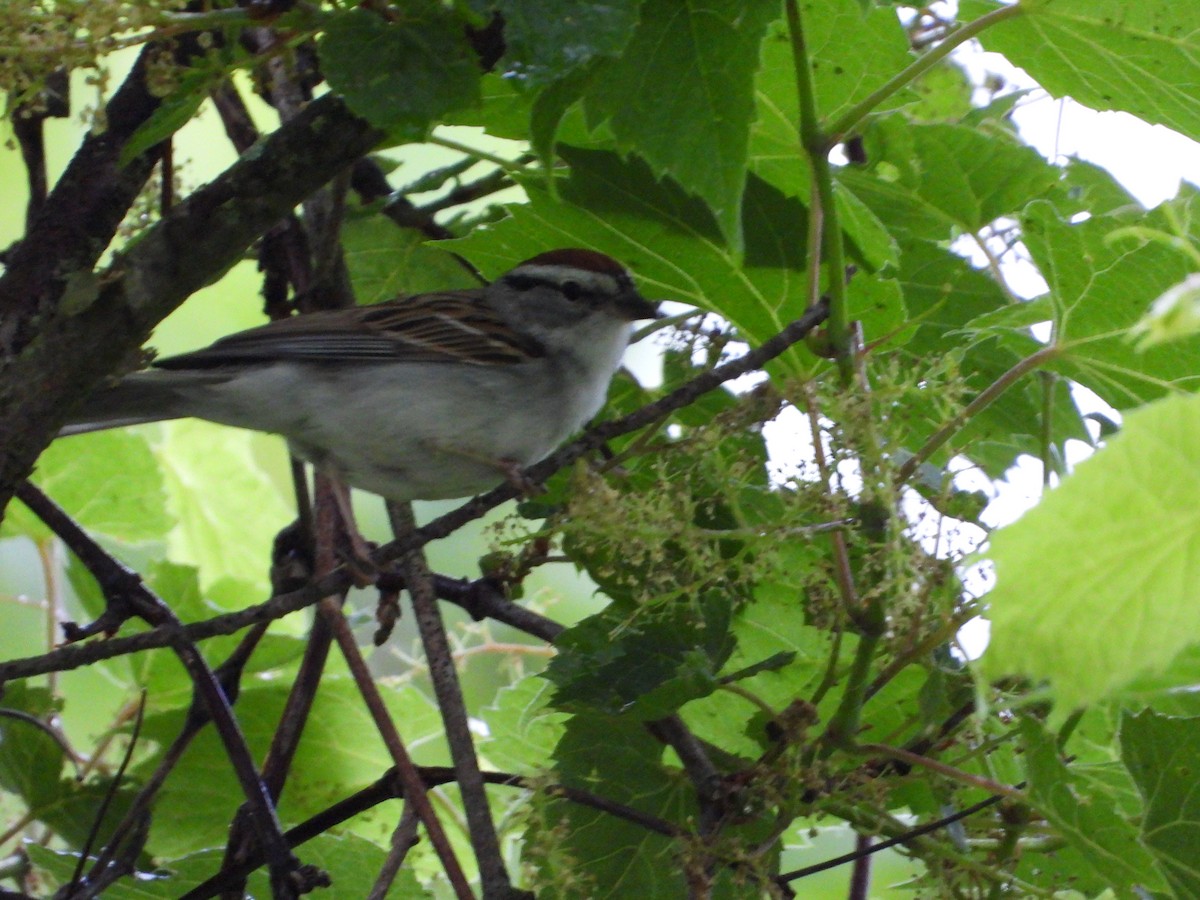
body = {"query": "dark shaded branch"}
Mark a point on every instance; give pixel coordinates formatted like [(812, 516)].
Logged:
[(860, 875), (484, 598), (703, 774), (404, 838), (913, 834), (389, 787)]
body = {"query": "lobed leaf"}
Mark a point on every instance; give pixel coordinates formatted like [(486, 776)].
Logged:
[(400, 75), (680, 96), (1094, 585), (1107, 54), (1163, 755)]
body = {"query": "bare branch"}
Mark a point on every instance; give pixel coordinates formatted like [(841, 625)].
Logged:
[(132, 596), (453, 709)]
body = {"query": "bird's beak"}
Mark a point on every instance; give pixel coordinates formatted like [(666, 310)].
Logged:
[(633, 306)]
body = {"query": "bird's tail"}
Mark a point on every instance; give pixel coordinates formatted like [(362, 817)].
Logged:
[(134, 400)]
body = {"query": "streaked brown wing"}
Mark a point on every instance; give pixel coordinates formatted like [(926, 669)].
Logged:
[(450, 327)]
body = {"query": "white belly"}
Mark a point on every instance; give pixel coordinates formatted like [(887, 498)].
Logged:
[(423, 431)]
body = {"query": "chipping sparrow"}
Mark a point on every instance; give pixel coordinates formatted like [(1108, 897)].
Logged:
[(427, 397)]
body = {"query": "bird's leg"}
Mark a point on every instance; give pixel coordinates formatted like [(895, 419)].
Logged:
[(362, 568), (514, 474), (513, 471)]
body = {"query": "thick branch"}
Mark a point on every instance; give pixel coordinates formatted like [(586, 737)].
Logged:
[(110, 316)]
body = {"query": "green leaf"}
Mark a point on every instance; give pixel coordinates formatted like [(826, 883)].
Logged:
[(1106, 54), (1174, 315), (522, 729), (74, 809), (771, 625), (31, 769), (967, 176), (945, 295), (1085, 814), (107, 481), (340, 754), (1160, 691), (869, 237), (646, 664), (1163, 755), (1014, 317), (387, 261), (854, 51), (672, 244), (681, 96), (546, 41), (945, 95), (772, 663), (589, 853), (400, 75), (550, 108), (173, 112), (503, 111), (1090, 188), (352, 863), (1109, 559), (1102, 280), (227, 506), (31, 761), (852, 55)]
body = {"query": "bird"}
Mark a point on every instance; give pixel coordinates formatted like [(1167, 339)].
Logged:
[(432, 396)]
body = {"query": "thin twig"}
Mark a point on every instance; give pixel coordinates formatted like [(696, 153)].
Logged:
[(933, 765), (28, 125), (142, 601), (905, 838), (414, 787), (86, 850), (403, 838)]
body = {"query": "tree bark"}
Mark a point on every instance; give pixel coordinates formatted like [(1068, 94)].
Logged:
[(64, 326)]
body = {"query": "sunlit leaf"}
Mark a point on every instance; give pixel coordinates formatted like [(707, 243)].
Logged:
[(1108, 559)]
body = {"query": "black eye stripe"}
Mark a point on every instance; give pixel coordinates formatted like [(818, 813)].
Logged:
[(570, 288), (522, 282)]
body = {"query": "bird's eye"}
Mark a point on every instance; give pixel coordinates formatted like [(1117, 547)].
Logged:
[(572, 290)]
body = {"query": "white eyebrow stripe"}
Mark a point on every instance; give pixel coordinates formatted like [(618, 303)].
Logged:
[(601, 281)]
